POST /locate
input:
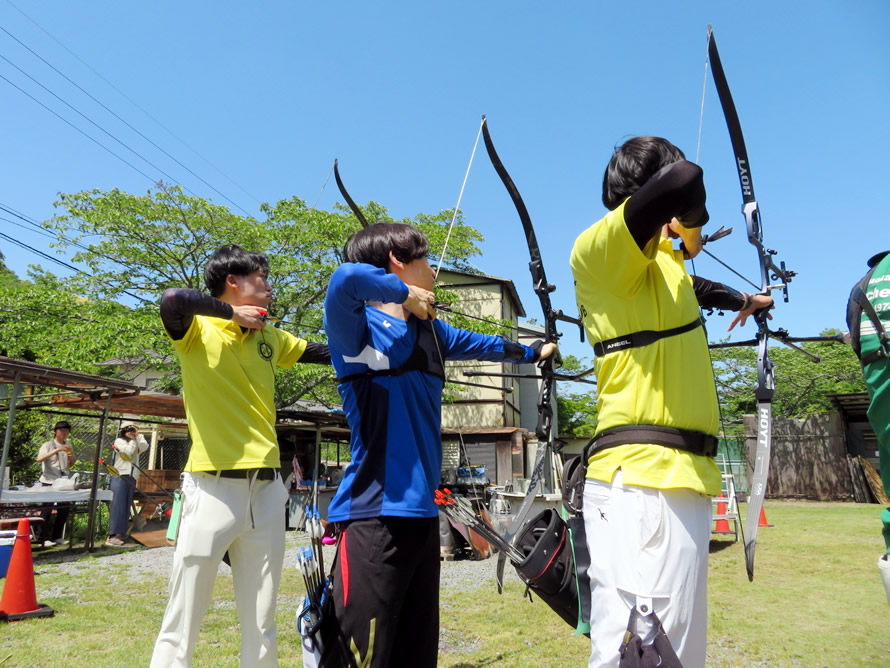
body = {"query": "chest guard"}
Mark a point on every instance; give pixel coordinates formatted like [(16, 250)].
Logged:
[(856, 305), (425, 357)]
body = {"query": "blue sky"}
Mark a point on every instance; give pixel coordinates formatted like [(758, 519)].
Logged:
[(269, 93)]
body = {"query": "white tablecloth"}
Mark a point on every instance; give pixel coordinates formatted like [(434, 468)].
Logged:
[(49, 495)]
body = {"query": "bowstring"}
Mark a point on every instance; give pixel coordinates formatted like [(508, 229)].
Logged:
[(457, 206), (460, 436), (701, 123), (314, 207), (701, 115), (701, 120), (323, 186), (283, 248)]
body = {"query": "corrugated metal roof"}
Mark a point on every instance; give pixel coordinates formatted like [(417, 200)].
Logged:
[(155, 404), (30, 373), (852, 406), (82, 391)]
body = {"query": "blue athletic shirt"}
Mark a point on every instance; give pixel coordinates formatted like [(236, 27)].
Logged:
[(395, 420)]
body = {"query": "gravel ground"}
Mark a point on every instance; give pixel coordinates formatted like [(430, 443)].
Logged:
[(141, 564), (461, 574), (157, 562)]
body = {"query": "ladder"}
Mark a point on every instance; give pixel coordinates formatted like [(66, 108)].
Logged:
[(726, 506)]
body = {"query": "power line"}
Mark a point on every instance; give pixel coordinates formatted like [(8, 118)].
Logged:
[(90, 120), (85, 92), (134, 103), (18, 214), (65, 120), (24, 227), (22, 244), (39, 228), (70, 242)]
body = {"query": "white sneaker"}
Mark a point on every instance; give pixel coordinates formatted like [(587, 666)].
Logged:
[(49, 543)]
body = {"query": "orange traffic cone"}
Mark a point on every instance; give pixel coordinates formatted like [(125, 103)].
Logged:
[(762, 521), (722, 525), (19, 599)]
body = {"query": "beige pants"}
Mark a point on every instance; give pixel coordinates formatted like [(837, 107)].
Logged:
[(245, 518)]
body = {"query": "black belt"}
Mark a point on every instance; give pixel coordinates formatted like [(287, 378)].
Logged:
[(696, 442), (874, 355), (642, 338), (262, 474)]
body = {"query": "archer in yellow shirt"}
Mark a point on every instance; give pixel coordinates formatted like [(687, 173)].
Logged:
[(647, 510)]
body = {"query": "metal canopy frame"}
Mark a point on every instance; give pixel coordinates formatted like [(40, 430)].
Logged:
[(96, 390), (81, 391)]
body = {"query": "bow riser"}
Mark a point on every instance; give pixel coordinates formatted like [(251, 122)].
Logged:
[(769, 271), (545, 407)]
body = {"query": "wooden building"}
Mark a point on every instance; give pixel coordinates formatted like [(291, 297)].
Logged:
[(493, 425)]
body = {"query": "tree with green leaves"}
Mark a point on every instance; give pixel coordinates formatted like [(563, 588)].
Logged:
[(802, 385), (136, 246), (576, 403), (7, 275), (45, 320)]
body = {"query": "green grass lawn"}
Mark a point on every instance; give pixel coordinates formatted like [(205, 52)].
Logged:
[(816, 600)]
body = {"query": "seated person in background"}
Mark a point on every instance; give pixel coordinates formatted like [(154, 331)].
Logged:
[(131, 444), (56, 458)]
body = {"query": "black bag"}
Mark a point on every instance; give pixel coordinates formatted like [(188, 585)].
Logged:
[(660, 654), (549, 565), (574, 473)]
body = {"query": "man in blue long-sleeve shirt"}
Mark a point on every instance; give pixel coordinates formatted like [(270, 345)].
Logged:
[(388, 351)]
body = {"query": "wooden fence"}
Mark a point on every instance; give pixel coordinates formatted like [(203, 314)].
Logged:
[(808, 459)]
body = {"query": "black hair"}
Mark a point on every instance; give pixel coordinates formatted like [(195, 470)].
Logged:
[(231, 260), (373, 244), (633, 164), (126, 430)]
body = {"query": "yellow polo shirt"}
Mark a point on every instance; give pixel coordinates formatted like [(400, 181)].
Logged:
[(620, 290), (228, 389)]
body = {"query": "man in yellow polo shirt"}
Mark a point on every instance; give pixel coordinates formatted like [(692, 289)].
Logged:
[(233, 497), (651, 471)]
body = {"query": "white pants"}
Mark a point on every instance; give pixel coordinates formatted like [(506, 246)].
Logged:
[(246, 519), (648, 548)]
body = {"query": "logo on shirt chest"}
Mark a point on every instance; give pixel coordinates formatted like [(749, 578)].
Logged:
[(264, 349)]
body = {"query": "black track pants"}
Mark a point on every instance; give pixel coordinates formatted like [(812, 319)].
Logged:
[(386, 595)]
